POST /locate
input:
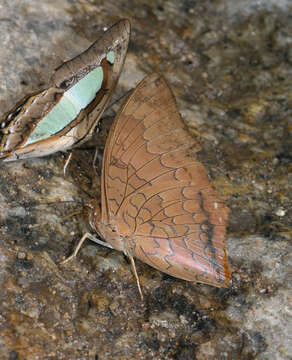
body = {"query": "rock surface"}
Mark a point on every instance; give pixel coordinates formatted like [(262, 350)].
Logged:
[(230, 66)]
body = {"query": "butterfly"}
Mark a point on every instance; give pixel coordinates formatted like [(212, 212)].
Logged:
[(66, 113), (157, 203)]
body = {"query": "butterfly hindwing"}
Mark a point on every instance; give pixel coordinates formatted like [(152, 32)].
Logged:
[(158, 194)]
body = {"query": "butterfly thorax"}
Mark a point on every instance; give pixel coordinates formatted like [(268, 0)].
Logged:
[(110, 234), (124, 243), (108, 231)]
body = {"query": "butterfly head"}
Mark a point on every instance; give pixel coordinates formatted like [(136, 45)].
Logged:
[(107, 231)]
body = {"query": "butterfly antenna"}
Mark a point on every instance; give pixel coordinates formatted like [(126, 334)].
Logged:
[(136, 276)]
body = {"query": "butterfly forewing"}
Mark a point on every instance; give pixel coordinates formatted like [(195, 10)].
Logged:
[(115, 40), (157, 194), (66, 113), (149, 114)]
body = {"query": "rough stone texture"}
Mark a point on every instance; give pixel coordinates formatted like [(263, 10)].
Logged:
[(229, 64)]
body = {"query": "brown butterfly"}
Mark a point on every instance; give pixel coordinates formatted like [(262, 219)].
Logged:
[(66, 113), (157, 203)]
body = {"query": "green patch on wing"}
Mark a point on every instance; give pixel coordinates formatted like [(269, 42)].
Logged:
[(75, 99)]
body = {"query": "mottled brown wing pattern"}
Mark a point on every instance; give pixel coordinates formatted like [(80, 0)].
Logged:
[(181, 240), (158, 194), (116, 38), (144, 121), (18, 124)]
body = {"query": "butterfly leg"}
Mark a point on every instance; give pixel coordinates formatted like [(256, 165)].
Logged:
[(67, 163), (80, 243), (136, 276), (95, 159)]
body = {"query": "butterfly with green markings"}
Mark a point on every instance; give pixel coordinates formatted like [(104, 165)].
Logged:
[(66, 113)]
